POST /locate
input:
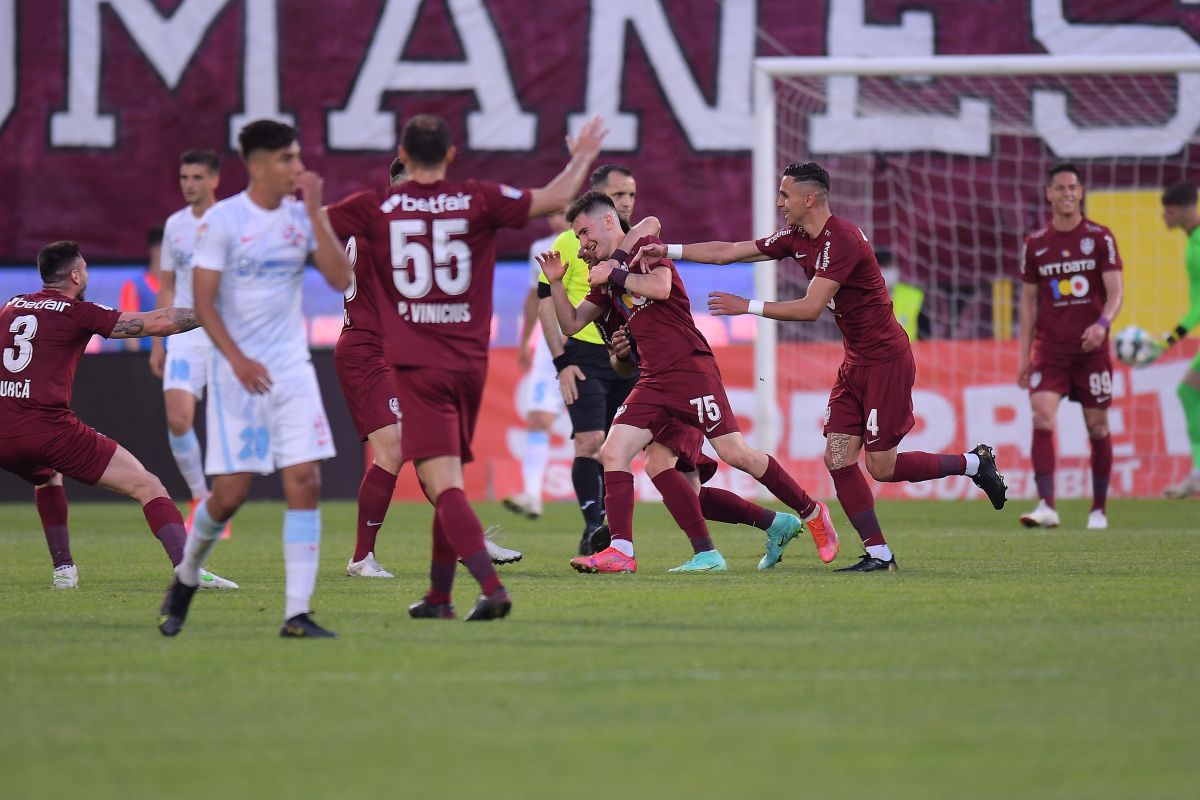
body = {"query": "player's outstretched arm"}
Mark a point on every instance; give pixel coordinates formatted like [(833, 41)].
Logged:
[(330, 256), (558, 193), (807, 308), (705, 252), (160, 322)]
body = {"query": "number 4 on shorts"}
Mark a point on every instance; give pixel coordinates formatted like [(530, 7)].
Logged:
[(873, 422)]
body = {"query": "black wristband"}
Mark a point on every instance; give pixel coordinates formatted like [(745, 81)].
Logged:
[(617, 277), (543, 290), (561, 362), (620, 256), (1175, 335)]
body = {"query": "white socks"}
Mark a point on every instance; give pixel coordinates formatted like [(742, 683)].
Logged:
[(186, 449), (972, 464), (533, 466), (301, 554), (202, 538), (880, 551), (622, 546)]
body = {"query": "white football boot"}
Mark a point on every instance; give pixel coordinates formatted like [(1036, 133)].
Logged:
[(524, 505), (211, 581), (1188, 487), (1097, 521), (367, 568), (500, 555), (65, 577), (1041, 517)]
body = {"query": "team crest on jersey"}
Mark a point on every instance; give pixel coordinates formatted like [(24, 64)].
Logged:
[(394, 405), (1086, 245), (620, 411), (293, 236), (1035, 379)]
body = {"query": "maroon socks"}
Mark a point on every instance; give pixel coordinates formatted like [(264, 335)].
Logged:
[(719, 505), (51, 502), (374, 497), (465, 535), (1101, 471), (167, 525), (681, 501), (618, 501), (916, 467), (784, 487), (1043, 464), (859, 504)]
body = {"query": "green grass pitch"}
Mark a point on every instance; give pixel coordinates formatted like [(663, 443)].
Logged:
[(998, 663)]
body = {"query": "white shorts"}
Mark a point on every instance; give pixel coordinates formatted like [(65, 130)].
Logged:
[(262, 433), (544, 394), (187, 362)]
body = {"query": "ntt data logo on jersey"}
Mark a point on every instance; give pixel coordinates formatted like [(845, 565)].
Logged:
[(1075, 286)]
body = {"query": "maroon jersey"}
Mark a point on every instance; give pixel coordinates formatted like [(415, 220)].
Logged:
[(1067, 268), (433, 248), (664, 331), (42, 337), (360, 323), (862, 305)]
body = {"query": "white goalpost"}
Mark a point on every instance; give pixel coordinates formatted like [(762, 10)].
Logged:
[(941, 161)]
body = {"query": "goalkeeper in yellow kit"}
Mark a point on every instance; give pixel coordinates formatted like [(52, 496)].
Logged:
[(1179, 211)]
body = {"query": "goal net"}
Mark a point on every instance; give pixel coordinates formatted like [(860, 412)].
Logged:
[(942, 163)]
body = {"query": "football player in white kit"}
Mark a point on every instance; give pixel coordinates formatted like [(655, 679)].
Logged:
[(264, 407), (544, 399), (183, 365)]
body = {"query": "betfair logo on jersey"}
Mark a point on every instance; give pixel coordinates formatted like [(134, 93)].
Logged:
[(434, 313), (1076, 286), (1067, 267), (48, 305), (823, 259), (776, 236), (428, 205)]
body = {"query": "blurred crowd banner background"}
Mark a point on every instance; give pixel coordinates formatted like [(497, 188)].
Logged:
[(99, 97)]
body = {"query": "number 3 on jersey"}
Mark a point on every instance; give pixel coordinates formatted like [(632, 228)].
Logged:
[(17, 357), (426, 267)]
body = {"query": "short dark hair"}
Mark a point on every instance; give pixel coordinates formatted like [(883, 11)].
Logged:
[(600, 174), (426, 140), (588, 203), (265, 134), (1179, 194), (395, 170), (56, 259), (1058, 169), (154, 236), (808, 172), (205, 158)]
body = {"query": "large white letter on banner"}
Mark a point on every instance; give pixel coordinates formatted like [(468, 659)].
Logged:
[(842, 129), (723, 126), (8, 59), (500, 124)]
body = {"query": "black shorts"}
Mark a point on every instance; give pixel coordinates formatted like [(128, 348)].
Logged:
[(603, 391)]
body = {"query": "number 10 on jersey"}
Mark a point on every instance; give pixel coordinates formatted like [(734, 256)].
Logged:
[(430, 267)]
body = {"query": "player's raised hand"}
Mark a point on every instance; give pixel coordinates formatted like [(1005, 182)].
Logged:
[(311, 187), (552, 265), (723, 304), (591, 137), (252, 375), (648, 252)]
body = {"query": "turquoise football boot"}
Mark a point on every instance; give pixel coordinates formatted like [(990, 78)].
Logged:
[(785, 528), (708, 561)]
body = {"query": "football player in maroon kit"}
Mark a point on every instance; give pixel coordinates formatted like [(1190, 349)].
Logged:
[(680, 391), (1070, 293), (870, 406), (42, 337), (433, 251)]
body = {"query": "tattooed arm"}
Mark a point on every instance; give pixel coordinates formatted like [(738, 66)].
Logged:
[(161, 322)]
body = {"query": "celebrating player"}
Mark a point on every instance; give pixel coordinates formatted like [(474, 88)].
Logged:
[(1071, 292), (433, 248), (1179, 211), (264, 409), (870, 406), (680, 388), (592, 391), (42, 337), (185, 371), (545, 401)]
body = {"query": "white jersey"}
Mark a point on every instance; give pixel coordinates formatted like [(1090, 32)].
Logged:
[(179, 244), (261, 254)]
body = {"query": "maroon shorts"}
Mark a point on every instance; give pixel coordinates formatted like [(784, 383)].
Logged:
[(438, 411), (1084, 377), (74, 449), (681, 410), (873, 401), (369, 387)]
